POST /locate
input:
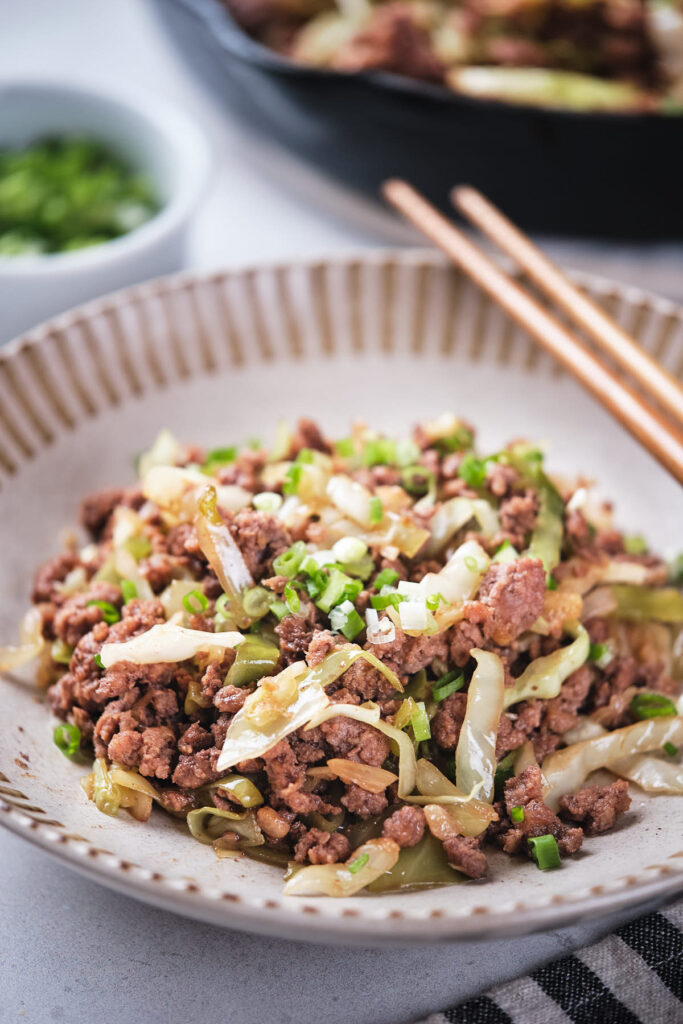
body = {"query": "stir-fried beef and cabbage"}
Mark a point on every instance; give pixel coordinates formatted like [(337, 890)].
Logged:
[(578, 54), (370, 661)]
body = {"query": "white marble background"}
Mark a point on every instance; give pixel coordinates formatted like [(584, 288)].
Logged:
[(70, 950)]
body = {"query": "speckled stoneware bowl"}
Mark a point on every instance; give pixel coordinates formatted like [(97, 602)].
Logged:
[(390, 337)]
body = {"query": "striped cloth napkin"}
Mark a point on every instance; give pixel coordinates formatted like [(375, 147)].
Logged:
[(634, 976)]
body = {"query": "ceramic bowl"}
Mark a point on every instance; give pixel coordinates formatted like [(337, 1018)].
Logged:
[(157, 139), (217, 358)]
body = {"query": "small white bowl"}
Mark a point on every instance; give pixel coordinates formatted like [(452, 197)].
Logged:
[(157, 139)]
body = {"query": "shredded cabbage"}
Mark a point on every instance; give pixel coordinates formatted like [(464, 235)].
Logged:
[(223, 555), (164, 452), (469, 816), (653, 774), (453, 515), (207, 824), (544, 677), (30, 646), (374, 780), (566, 770), (168, 642), (176, 491), (664, 604), (475, 755), (365, 864)]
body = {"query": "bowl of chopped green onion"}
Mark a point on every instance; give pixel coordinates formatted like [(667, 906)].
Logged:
[(96, 193)]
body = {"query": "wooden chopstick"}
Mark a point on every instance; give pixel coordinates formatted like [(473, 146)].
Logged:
[(587, 314), (660, 438)]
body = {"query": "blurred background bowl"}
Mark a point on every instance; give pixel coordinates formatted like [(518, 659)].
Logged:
[(592, 175), (156, 139)]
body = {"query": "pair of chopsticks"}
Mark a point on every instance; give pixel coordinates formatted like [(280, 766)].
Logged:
[(660, 432)]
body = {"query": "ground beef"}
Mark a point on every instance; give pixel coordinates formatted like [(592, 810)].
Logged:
[(321, 643), (407, 655), (230, 698), (126, 748), (194, 738), (309, 435), (464, 853), (158, 571), (355, 741), (78, 614), (322, 847), (526, 791), (96, 510), (513, 593), (448, 719), (406, 826), (391, 41), (194, 770), (296, 633), (53, 572), (462, 637), (501, 479), (261, 537), (286, 776), (245, 471), (597, 807), (518, 516), (365, 805), (158, 749)]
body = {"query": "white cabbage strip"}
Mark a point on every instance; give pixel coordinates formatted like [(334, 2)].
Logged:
[(544, 677), (30, 646), (369, 861), (652, 773), (166, 643), (475, 756), (176, 491), (566, 770), (453, 515)]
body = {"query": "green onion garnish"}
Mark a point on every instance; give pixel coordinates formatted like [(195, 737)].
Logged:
[(407, 453), (472, 470), (305, 457), (652, 705), (381, 601), (376, 511), (138, 547), (339, 587), (517, 814), (545, 852), (279, 610), (671, 749), (601, 654), (417, 479), (292, 599), (256, 602), (635, 545), (379, 452), (471, 563), (505, 769), (68, 738), (345, 447), (358, 863), (550, 582), (292, 478), (288, 563), (347, 620), (61, 652), (98, 661), (386, 578), (434, 600), (446, 685), (195, 602), (128, 591), (109, 612), (457, 442), (218, 457), (420, 722), (221, 607)]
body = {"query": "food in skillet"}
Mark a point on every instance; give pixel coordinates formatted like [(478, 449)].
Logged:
[(588, 55), (371, 660)]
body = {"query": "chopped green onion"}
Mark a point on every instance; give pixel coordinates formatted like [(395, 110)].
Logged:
[(545, 852), (256, 602), (434, 600), (109, 612), (446, 685), (379, 452), (386, 578), (505, 552), (292, 478), (128, 591), (505, 769), (221, 607), (358, 863), (138, 547), (472, 470), (305, 457), (289, 562), (418, 479), (98, 661), (292, 599), (279, 610), (195, 602), (381, 601), (68, 738), (267, 501), (471, 563), (376, 511), (349, 549), (676, 569), (635, 545), (363, 568), (457, 442), (339, 587), (407, 453), (550, 582), (671, 749), (420, 722), (652, 705), (601, 654), (346, 448), (216, 458), (61, 652), (517, 814), (346, 620)]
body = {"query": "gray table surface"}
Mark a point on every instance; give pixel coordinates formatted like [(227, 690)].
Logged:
[(69, 949)]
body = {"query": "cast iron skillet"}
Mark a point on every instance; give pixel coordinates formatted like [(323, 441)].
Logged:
[(599, 175)]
